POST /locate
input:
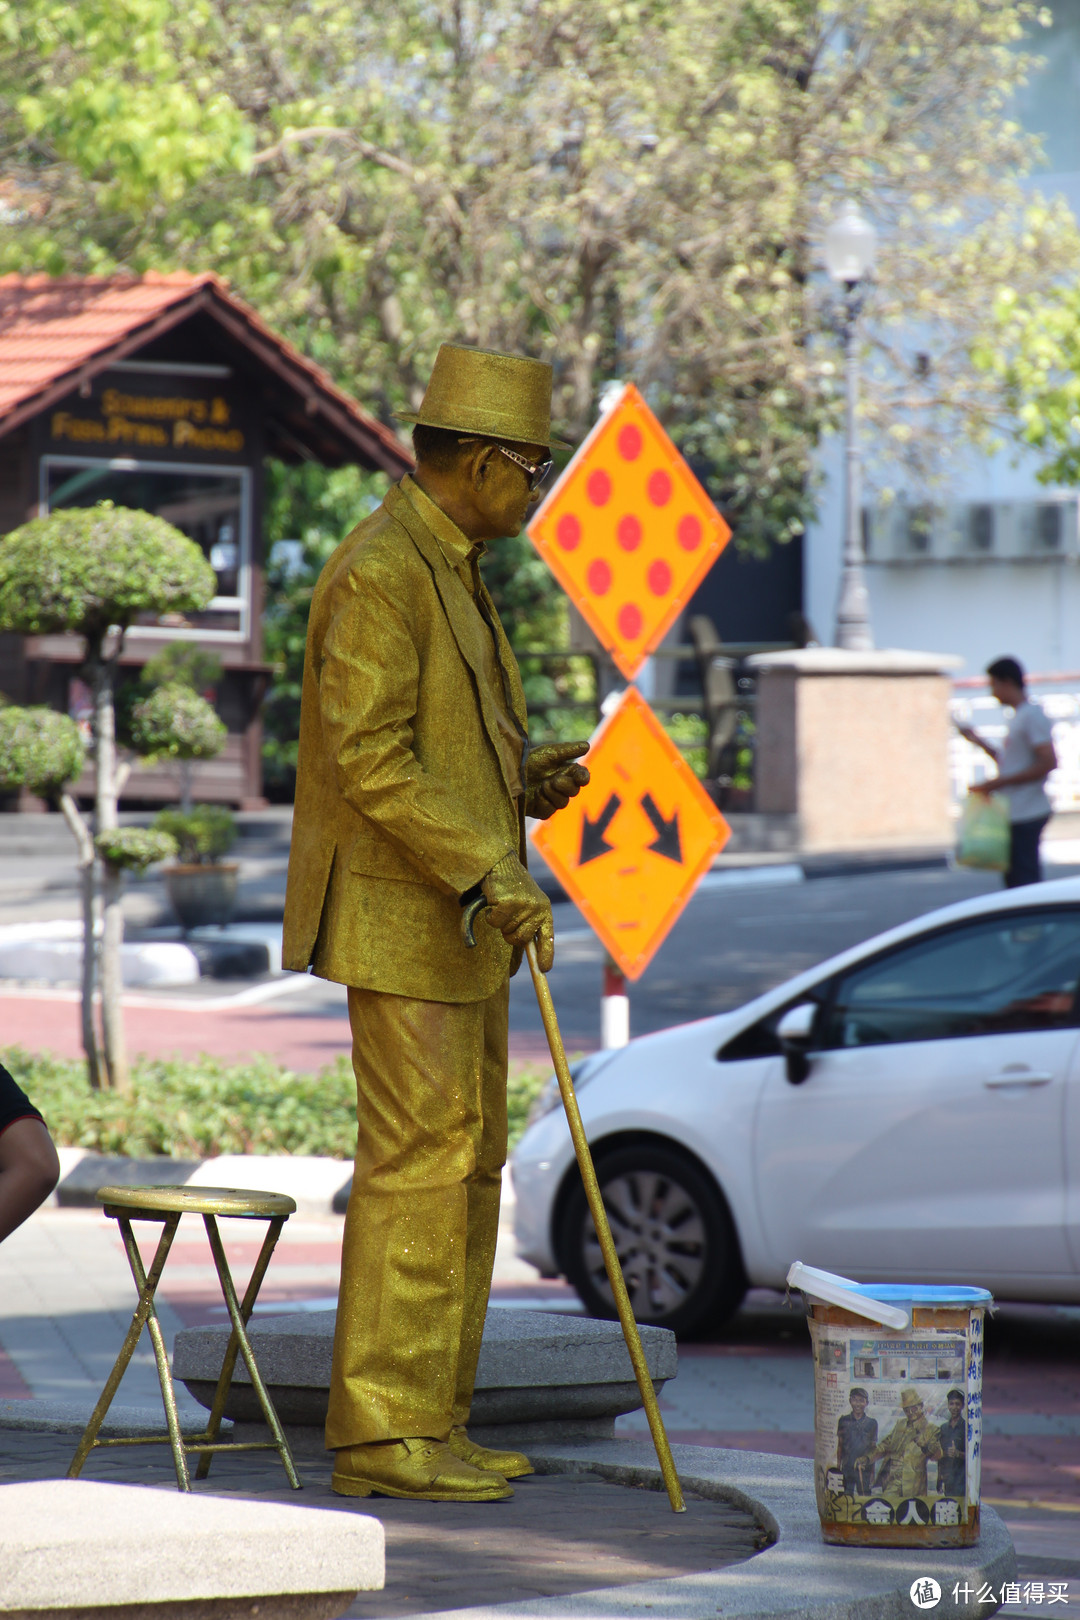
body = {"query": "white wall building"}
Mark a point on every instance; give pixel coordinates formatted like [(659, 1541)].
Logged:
[(994, 566)]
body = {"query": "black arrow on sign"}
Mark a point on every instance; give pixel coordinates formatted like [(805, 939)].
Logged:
[(593, 842), (667, 841)]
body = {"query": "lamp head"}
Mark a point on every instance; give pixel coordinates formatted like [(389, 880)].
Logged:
[(850, 245)]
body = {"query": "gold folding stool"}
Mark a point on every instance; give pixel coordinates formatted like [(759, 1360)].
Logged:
[(167, 1205)]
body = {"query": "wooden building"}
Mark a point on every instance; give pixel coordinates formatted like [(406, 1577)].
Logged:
[(166, 393)]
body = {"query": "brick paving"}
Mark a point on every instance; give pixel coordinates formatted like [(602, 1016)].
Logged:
[(556, 1535)]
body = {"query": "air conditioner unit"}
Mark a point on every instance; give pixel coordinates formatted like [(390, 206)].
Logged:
[(901, 532), (1040, 530)]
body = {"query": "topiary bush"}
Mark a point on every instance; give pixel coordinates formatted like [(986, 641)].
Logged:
[(203, 834), (88, 568), (93, 572), (174, 722), (182, 663), (39, 749), (133, 849)]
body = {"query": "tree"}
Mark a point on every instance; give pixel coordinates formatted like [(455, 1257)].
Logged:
[(1035, 352), (174, 722), (44, 751), (634, 190), (91, 572)]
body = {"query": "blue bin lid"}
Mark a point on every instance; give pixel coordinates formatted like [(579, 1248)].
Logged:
[(924, 1294)]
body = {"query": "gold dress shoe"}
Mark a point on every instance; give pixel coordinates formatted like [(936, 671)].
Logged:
[(510, 1464), (418, 1469)]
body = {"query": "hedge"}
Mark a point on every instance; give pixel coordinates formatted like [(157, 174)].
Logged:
[(196, 1108)]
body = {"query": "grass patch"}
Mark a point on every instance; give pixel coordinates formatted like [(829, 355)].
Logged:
[(196, 1108)]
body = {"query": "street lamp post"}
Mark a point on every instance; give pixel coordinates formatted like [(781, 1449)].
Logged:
[(850, 246)]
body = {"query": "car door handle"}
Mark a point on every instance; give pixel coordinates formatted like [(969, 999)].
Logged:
[(1019, 1077)]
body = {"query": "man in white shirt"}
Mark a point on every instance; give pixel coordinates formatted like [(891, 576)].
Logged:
[(1024, 762)]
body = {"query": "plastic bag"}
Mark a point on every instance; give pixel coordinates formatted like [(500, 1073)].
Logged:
[(985, 837)]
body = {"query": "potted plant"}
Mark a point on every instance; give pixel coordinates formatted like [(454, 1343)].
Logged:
[(201, 886)]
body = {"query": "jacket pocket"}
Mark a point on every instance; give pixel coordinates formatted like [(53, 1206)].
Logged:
[(374, 856)]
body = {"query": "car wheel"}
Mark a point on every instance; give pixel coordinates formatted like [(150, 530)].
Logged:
[(674, 1237)]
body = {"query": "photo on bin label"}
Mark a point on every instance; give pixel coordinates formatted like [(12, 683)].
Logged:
[(898, 1422)]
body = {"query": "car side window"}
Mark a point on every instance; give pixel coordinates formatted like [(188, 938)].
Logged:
[(1017, 972)]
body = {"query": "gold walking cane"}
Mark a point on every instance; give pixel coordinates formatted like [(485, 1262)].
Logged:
[(596, 1209)]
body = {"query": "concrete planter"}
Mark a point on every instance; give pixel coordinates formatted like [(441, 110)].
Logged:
[(203, 896)]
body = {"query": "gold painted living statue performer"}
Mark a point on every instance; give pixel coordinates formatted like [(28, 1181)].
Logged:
[(414, 778)]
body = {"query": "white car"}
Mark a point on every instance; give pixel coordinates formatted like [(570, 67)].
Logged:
[(906, 1111)]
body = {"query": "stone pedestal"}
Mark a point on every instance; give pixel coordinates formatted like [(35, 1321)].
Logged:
[(854, 747), (541, 1377)]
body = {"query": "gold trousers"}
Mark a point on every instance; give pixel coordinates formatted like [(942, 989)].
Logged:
[(423, 1214)]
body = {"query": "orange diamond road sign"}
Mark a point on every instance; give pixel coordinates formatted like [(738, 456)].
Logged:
[(629, 532), (631, 848)]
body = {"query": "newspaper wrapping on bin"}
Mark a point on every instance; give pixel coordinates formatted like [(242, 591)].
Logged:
[(899, 1423)]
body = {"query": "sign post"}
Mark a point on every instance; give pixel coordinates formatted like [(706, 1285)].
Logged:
[(629, 533)]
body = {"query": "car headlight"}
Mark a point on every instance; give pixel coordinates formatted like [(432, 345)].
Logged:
[(581, 1072)]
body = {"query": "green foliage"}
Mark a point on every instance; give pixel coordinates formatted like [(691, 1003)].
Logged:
[(202, 835), (195, 1108), (313, 509), (133, 849), (691, 733), (1035, 351), (634, 190), (85, 569), (182, 663), (119, 90), (198, 1108), (174, 722), (39, 749), (524, 1084)]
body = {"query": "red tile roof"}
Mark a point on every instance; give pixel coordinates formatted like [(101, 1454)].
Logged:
[(57, 332)]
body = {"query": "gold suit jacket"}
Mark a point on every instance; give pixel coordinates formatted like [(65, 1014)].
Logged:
[(402, 797)]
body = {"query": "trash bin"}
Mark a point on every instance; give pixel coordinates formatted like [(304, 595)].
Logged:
[(897, 1409)]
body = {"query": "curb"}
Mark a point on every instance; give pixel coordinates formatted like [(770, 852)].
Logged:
[(798, 1576), (71, 1417), (318, 1186)]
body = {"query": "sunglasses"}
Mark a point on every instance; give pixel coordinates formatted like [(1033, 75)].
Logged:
[(535, 471)]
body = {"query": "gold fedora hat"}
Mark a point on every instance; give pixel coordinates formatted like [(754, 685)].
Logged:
[(491, 395)]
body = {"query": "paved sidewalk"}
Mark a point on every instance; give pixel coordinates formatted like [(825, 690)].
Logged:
[(555, 1536), (66, 1297)]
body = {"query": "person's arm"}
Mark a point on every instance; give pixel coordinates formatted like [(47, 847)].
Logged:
[(29, 1170), (972, 736), (1045, 761), (368, 693)]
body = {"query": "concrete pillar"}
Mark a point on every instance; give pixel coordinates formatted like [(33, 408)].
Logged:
[(854, 746)]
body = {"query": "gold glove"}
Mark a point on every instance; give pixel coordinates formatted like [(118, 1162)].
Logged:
[(519, 909), (552, 779)]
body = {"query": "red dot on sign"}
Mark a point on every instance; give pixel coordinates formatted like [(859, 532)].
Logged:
[(568, 531), (598, 578), (629, 442), (690, 532), (598, 487), (629, 532), (659, 578), (659, 487), (630, 621)]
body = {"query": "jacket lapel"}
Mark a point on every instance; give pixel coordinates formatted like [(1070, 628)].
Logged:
[(462, 617), (509, 662)]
